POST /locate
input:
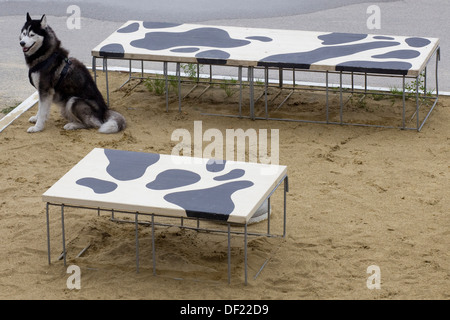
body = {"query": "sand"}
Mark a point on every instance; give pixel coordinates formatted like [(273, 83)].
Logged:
[(359, 196)]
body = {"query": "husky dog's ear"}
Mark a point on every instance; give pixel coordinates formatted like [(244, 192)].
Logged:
[(43, 21), (28, 17)]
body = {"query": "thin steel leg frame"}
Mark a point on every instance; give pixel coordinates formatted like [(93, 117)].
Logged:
[(251, 84)]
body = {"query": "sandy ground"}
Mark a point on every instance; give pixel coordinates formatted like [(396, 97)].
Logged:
[(359, 196)]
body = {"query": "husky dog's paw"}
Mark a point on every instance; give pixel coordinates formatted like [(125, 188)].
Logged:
[(33, 119), (34, 129), (74, 126)]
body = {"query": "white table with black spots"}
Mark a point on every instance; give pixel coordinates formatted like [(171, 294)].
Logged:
[(157, 185), (403, 57)]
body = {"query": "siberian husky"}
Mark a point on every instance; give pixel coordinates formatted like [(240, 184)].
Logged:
[(64, 81)]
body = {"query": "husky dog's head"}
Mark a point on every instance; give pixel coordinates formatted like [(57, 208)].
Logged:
[(32, 35)]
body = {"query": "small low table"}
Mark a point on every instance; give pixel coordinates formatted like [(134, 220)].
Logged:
[(158, 185)]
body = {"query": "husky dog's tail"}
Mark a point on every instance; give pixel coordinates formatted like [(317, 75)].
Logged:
[(114, 123)]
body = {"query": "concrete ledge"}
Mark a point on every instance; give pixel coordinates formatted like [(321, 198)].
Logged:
[(18, 111)]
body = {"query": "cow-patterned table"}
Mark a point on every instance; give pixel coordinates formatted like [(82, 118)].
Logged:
[(248, 47), (397, 56), (152, 184)]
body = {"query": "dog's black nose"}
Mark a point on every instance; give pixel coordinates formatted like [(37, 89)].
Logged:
[(22, 43)]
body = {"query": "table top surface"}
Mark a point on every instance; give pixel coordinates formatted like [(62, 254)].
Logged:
[(167, 185), (239, 46)]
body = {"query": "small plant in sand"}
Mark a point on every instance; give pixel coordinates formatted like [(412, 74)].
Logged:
[(8, 109), (190, 70), (259, 82), (158, 85), (411, 88), (228, 86), (420, 82)]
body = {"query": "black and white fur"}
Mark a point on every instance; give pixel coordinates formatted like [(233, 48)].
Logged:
[(64, 81)]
